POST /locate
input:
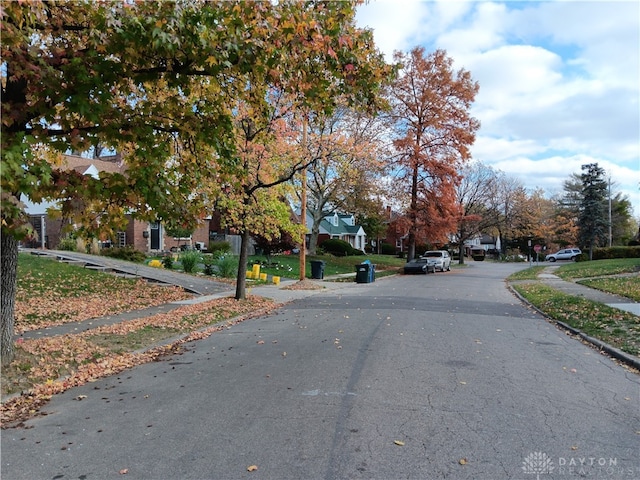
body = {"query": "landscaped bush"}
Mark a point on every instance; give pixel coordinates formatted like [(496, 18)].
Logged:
[(219, 248), (155, 263), (167, 261), (68, 244), (339, 248), (209, 262), (124, 253), (227, 266), (615, 252), (387, 249), (190, 260)]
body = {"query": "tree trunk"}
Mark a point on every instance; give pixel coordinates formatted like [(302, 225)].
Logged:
[(411, 253), (241, 279), (313, 238), (461, 253), (9, 277)]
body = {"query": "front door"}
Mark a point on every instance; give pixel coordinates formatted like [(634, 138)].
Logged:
[(155, 236)]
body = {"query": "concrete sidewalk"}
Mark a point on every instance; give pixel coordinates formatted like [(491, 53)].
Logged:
[(577, 290)]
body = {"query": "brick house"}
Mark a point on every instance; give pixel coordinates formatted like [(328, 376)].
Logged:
[(147, 237)]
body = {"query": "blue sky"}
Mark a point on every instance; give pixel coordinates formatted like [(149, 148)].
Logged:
[(559, 80)]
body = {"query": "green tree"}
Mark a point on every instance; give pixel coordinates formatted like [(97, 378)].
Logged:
[(593, 220), (157, 81), (622, 225), (374, 226), (347, 146)]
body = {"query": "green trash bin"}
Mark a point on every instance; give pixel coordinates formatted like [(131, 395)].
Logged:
[(317, 269)]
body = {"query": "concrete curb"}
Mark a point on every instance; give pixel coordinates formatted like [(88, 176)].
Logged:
[(616, 353)]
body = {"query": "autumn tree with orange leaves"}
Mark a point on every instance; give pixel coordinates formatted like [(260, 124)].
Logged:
[(430, 106)]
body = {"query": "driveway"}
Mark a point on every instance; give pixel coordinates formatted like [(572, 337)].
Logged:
[(425, 377)]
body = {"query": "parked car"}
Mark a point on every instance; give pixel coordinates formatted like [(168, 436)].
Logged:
[(419, 265), (439, 259), (566, 254)]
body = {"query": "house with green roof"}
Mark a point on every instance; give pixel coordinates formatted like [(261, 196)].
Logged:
[(342, 227)]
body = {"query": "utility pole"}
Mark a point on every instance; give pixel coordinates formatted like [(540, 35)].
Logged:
[(610, 229), (303, 206)]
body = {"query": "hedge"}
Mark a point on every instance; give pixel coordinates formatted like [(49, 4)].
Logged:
[(339, 248), (615, 252)]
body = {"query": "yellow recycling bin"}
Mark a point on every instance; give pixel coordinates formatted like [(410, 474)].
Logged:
[(256, 271)]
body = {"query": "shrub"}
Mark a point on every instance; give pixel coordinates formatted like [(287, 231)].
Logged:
[(227, 266), (209, 262), (167, 261), (339, 248), (124, 253), (615, 252), (387, 249), (605, 253), (190, 260), (155, 263), (219, 248), (68, 244)]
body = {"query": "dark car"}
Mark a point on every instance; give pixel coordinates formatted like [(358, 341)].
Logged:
[(419, 265)]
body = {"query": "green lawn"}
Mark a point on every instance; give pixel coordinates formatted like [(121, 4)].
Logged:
[(598, 268), (288, 266), (615, 327)]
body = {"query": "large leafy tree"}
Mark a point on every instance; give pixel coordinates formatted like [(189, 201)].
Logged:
[(622, 225), (347, 147), (593, 223), (158, 82), (430, 104)]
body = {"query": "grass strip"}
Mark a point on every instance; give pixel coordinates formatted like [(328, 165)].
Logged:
[(50, 365), (530, 273), (616, 327), (624, 286), (598, 268)]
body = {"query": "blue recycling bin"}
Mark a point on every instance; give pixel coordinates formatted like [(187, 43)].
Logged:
[(365, 272)]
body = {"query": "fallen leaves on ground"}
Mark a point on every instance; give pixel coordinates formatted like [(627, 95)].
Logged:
[(304, 285), (49, 307), (66, 361)]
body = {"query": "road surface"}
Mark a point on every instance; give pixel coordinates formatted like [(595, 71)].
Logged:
[(421, 377)]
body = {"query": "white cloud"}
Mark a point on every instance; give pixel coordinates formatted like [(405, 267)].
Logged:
[(559, 81)]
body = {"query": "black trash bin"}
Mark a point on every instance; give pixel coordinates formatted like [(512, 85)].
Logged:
[(365, 272), (317, 269)]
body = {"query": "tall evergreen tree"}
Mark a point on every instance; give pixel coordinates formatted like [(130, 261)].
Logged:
[(593, 223)]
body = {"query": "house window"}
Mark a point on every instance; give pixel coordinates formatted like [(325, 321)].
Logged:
[(335, 220), (122, 239)]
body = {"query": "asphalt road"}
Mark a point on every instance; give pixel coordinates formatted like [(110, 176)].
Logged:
[(422, 377)]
